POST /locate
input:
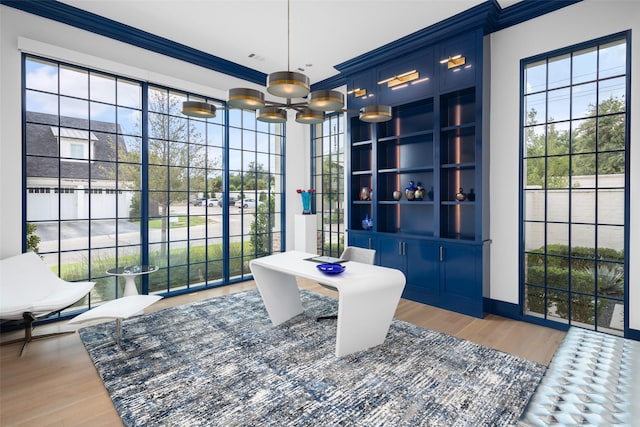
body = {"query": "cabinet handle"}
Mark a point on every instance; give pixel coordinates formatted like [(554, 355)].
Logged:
[(399, 248), (441, 254), (404, 248), (369, 243)]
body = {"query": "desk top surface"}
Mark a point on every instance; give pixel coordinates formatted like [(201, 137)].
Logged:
[(295, 263)]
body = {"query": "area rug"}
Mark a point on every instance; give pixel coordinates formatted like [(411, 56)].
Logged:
[(220, 362)]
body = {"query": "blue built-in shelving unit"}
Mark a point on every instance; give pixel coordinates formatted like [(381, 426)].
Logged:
[(434, 138)]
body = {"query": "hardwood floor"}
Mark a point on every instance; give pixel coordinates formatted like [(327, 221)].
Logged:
[(56, 384)]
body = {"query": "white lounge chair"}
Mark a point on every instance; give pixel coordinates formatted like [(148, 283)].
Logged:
[(29, 290)]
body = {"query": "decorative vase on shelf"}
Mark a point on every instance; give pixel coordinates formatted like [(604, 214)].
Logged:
[(460, 196), (306, 200), (471, 196), (365, 193), (397, 195), (430, 193), (419, 192), (410, 191), (367, 223)]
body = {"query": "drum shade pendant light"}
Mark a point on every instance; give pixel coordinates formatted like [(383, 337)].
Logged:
[(289, 85)]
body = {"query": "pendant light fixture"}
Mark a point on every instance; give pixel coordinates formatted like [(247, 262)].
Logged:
[(289, 85)]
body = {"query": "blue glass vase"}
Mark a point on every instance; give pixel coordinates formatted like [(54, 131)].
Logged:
[(306, 202)]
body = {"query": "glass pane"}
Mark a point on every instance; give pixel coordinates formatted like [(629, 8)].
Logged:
[(74, 82), (611, 132), (536, 77), (558, 205), (612, 59), (585, 65), (611, 94), (534, 270), (611, 315), (583, 204), (215, 134), (77, 108), (558, 234), (611, 169), (583, 310), (534, 236), (583, 136), (535, 141), (558, 306), (583, 235), (534, 300), (610, 279), (130, 121), (41, 75), (534, 172), (583, 275), (611, 206), (559, 104), (583, 170), (557, 271), (610, 241), (535, 109), (558, 172), (559, 71), (583, 101), (558, 139), (39, 102), (102, 88), (129, 94)]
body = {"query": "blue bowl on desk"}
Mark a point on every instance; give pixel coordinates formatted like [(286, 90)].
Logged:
[(331, 268)]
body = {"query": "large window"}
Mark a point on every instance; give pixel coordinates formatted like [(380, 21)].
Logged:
[(575, 186), (115, 175), (328, 179)]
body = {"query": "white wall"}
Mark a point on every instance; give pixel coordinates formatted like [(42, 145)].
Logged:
[(30, 33), (581, 22)]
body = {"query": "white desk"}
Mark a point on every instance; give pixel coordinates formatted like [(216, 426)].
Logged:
[(368, 296)]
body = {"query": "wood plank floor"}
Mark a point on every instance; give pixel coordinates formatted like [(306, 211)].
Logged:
[(56, 384)]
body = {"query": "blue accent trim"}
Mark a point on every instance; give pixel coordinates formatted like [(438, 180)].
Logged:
[(24, 150), (226, 241), (502, 308), (283, 199), (144, 193), (79, 18), (633, 334), (627, 196), (330, 83)]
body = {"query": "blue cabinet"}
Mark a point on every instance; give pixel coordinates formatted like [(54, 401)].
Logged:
[(461, 278), (434, 139)]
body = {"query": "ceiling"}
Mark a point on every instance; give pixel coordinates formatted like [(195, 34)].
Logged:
[(323, 33)]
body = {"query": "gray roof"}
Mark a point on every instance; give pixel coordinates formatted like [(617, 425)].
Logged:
[(42, 147)]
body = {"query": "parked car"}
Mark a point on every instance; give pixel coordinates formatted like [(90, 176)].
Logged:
[(248, 203), (211, 202), (198, 201)]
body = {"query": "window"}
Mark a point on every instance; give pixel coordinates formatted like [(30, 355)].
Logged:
[(126, 169), (328, 180), (574, 184)]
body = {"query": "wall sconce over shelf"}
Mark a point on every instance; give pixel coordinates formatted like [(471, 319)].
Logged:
[(454, 61), (357, 92), (399, 79)]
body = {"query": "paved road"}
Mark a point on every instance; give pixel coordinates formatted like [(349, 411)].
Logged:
[(75, 233)]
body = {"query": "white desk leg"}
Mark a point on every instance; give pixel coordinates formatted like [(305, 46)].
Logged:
[(364, 319), (279, 292), (130, 286)]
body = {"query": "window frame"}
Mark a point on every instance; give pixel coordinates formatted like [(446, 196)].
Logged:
[(595, 43)]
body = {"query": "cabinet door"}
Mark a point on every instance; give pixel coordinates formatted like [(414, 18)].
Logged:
[(423, 268), (362, 240), (461, 275), (391, 253)]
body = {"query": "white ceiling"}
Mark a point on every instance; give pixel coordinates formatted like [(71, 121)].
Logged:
[(323, 33)]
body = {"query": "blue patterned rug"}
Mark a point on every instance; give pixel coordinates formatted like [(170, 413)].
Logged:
[(220, 362)]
